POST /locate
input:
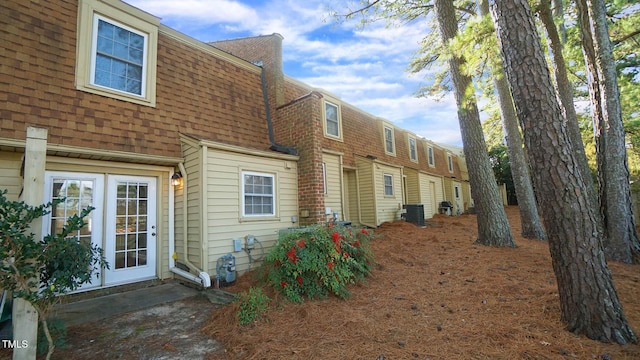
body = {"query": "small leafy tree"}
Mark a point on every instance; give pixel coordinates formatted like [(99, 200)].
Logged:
[(253, 304), (319, 261), (38, 270)]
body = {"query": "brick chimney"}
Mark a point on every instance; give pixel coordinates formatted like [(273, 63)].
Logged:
[(266, 49)]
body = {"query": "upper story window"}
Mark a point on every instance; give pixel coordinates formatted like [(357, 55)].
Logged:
[(258, 194), (388, 185), (413, 151), (332, 120), (118, 59), (432, 161), (450, 162), (116, 51), (389, 140)]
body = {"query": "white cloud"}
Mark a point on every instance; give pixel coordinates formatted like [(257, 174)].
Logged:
[(200, 11), (364, 67)]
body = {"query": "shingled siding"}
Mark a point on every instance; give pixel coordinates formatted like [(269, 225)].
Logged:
[(362, 135), (198, 89)]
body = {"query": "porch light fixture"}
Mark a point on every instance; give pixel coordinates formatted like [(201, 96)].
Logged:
[(176, 178)]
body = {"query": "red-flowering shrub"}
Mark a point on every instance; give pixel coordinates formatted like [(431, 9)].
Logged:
[(318, 261)]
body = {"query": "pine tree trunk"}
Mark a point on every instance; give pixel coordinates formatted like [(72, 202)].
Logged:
[(622, 243), (564, 87), (493, 226), (531, 224), (589, 302)]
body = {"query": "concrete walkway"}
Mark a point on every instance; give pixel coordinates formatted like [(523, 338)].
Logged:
[(104, 307)]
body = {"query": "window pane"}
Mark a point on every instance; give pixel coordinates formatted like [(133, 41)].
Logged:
[(258, 194), (388, 185), (105, 29), (388, 138), (119, 58), (332, 128), (120, 50), (331, 119)]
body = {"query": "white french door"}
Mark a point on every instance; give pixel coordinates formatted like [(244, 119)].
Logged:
[(123, 222), (79, 190), (130, 229)]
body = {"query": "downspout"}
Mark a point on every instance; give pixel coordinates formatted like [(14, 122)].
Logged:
[(274, 146), (202, 278)]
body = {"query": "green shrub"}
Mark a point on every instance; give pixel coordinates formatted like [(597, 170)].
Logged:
[(253, 304), (39, 270), (319, 261)]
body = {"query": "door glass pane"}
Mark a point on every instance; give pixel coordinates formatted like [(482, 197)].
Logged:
[(77, 195), (120, 260), (119, 242), (121, 208), (142, 257)]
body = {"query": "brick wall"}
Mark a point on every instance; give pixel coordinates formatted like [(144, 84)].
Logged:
[(362, 135), (300, 123), (266, 49), (196, 91)]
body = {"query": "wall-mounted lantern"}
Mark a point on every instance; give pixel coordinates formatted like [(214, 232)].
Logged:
[(176, 179)]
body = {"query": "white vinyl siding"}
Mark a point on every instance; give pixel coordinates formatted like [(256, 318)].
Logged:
[(424, 189), (388, 207), (193, 167), (431, 194), (333, 193), (223, 215), (10, 179), (366, 187)]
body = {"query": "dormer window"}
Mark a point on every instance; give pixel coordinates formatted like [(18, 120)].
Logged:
[(430, 156), (116, 51), (413, 150), (389, 140)]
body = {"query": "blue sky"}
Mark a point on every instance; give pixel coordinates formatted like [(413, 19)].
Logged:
[(363, 67)]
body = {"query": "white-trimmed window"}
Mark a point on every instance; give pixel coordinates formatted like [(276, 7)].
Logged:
[(258, 194), (332, 120), (118, 56), (388, 184), (450, 162), (413, 149), (116, 51), (430, 157), (389, 140)]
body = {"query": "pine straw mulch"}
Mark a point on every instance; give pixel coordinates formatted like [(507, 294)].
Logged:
[(433, 294)]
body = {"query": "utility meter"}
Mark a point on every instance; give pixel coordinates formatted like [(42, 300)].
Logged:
[(249, 242)]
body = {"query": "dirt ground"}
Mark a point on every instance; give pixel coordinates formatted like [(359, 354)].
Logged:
[(433, 294)]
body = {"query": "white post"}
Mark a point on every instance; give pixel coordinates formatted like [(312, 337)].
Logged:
[(25, 316)]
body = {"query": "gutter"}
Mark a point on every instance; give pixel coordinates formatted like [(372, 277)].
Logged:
[(203, 277), (274, 145)]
